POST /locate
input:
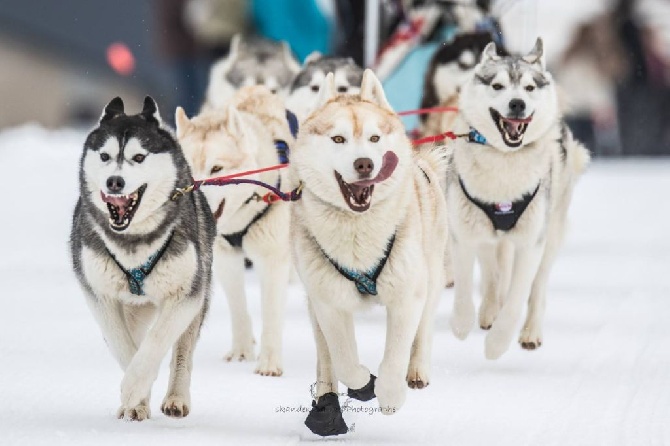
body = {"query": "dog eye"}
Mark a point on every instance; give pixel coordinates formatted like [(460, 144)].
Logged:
[(497, 86), (273, 91), (139, 158), (314, 88), (530, 88), (104, 157), (341, 89), (338, 139), (216, 169), (374, 138)]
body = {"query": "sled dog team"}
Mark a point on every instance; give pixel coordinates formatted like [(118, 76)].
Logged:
[(379, 220)]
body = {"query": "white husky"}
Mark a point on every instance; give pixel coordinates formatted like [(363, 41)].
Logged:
[(370, 229), (246, 136), (508, 191)]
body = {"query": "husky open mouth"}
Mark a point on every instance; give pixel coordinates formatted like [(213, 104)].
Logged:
[(358, 195), (511, 129), (122, 208)]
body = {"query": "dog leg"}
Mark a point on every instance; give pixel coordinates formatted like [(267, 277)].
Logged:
[(325, 418), (418, 373), (402, 321), (229, 269), (448, 266), (526, 263), (274, 276), (177, 401), (338, 329), (174, 317), (486, 254), (111, 317), (463, 316), (531, 333)]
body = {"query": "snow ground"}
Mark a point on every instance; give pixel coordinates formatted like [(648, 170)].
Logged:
[(601, 378)]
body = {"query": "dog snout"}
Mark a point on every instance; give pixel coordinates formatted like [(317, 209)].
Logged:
[(517, 107), (364, 167), (115, 184)]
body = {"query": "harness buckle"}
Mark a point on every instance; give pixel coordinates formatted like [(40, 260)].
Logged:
[(271, 198), (178, 192)]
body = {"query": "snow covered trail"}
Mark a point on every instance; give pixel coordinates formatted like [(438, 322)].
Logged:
[(602, 376)]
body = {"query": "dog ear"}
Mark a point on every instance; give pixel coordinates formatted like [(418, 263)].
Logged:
[(150, 111), (112, 110), (314, 55), (234, 50), (326, 92), (536, 55), (234, 123), (372, 90), (289, 60), (490, 52), (182, 122)]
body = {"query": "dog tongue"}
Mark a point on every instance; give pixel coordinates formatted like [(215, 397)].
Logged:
[(513, 128), (389, 163)]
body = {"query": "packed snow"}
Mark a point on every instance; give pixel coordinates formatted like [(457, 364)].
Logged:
[(602, 376)]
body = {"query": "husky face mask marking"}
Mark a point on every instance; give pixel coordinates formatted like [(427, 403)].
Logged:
[(127, 172), (254, 62), (305, 88), (510, 100), (352, 142)]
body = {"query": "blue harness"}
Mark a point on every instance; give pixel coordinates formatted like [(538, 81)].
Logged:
[(366, 282), (137, 275)]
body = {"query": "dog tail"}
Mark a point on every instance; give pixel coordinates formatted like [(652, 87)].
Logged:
[(578, 157), (435, 159)]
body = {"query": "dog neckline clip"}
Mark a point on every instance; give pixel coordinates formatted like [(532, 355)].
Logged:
[(137, 275), (366, 282), (476, 137)]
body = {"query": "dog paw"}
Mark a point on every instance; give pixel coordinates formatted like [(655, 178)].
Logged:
[(462, 320), (530, 339), (135, 387), (175, 406), (241, 353), (140, 412), (487, 315), (497, 343), (268, 365), (391, 394), (417, 377)]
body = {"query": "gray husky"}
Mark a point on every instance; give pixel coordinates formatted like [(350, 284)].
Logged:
[(251, 62), (304, 89), (142, 254), (509, 187)]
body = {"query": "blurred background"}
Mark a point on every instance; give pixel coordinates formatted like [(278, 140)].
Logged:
[(61, 62)]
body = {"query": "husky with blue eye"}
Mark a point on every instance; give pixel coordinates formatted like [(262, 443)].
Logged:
[(142, 254), (509, 186)]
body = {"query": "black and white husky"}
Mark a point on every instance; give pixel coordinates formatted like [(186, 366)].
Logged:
[(304, 89), (142, 255), (509, 187)]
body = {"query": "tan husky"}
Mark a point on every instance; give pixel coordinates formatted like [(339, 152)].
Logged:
[(245, 136), (370, 229)]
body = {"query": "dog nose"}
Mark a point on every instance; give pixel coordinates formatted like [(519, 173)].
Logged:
[(115, 184), (364, 166), (517, 106)]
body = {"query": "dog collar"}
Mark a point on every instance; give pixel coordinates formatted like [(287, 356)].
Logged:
[(476, 137), (503, 215), (137, 275), (366, 282)]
